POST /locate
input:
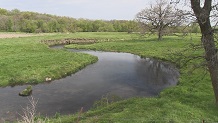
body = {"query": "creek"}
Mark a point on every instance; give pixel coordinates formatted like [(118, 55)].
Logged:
[(121, 74)]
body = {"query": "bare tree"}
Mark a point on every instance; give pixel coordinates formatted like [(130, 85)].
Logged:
[(202, 11), (160, 16), (206, 13)]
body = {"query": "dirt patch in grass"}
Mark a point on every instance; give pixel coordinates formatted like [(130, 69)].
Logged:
[(69, 41), (17, 35)]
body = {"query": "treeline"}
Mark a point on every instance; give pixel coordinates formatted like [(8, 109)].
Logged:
[(32, 22)]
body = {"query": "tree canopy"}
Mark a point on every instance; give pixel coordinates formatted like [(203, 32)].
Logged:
[(32, 22)]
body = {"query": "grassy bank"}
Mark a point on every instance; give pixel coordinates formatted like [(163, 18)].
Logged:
[(191, 101), (27, 61)]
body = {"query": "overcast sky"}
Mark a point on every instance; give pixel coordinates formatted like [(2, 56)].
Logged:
[(89, 9)]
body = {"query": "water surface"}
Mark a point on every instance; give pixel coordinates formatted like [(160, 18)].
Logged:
[(120, 74)]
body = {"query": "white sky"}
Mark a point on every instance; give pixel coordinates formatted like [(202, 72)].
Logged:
[(89, 9)]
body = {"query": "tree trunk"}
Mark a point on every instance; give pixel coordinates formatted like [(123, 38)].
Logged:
[(159, 36), (211, 57), (214, 78), (160, 33), (203, 17)]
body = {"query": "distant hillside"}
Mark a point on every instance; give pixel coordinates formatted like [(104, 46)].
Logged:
[(32, 22)]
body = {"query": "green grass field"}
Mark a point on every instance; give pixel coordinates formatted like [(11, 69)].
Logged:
[(192, 100), (27, 61)]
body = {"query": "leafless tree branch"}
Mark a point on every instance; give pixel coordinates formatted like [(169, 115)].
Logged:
[(160, 16)]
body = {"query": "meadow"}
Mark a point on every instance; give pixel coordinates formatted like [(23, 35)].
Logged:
[(192, 100), (27, 60)]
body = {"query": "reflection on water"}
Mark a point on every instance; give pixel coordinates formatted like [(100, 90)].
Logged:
[(122, 74)]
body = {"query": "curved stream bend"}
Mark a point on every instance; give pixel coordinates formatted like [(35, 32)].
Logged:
[(120, 74)]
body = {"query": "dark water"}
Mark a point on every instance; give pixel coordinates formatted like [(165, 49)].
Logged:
[(120, 74)]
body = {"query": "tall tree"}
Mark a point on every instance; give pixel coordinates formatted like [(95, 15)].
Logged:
[(160, 16), (203, 15)]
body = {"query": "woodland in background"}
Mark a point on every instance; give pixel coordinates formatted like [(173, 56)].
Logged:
[(32, 22)]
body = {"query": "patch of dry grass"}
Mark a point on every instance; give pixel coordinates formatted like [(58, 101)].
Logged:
[(18, 35)]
